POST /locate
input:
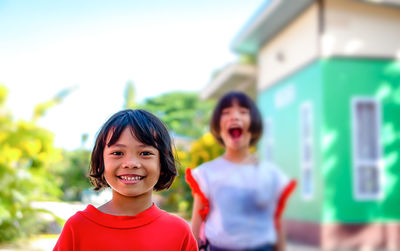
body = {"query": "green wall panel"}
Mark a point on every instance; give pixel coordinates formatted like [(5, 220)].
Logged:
[(343, 80), (330, 86), (281, 103)]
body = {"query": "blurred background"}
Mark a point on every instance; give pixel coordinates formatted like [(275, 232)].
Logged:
[(325, 74)]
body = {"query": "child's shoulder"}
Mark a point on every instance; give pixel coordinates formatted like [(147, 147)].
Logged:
[(210, 164), (176, 229), (76, 218), (173, 220)]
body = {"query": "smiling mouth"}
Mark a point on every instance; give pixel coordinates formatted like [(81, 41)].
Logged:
[(235, 132), (130, 178)]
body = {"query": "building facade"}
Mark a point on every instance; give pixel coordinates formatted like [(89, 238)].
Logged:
[(327, 82)]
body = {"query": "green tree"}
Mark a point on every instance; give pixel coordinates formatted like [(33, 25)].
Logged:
[(41, 109), (179, 196), (75, 166), (183, 112), (130, 96), (247, 59), (73, 173), (26, 155)]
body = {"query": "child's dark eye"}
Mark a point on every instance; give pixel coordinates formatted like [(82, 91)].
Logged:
[(116, 153), (225, 112), (145, 153)]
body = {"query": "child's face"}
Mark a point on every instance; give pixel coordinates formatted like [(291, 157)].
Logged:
[(131, 167), (234, 127)]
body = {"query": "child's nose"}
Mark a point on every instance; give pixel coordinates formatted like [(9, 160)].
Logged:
[(235, 115), (132, 163)]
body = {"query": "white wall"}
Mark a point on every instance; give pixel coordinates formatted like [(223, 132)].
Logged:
[(358, 29), (298, 44)]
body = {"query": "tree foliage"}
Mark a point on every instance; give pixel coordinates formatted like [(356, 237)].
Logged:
[(183, 112), (179, 196), (247, 59), (41, 109), (73, 173), (26, 155), (130, 96)]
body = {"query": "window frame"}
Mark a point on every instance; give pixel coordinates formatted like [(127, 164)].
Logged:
[(307, 189), (356, 160)]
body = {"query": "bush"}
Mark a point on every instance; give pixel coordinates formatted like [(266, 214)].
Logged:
[(26, 153)]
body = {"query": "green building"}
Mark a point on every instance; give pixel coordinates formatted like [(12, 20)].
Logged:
[(327, 81)]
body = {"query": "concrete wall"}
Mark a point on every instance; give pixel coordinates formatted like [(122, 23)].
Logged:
[(295, 46), (357, 29)]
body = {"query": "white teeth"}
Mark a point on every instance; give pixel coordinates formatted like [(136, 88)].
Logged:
[(131, 178)]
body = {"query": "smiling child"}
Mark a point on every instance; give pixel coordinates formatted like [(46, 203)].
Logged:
[(133, 156)]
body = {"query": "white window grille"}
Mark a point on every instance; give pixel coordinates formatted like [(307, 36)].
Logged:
[(306, 150), (367, 173)]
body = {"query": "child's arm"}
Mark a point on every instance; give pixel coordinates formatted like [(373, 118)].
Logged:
[(281, 240), (280, 232), (65, 239), (196, 218)]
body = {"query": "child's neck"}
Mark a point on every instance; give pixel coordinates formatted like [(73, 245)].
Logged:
[(239, 156), (121, 205)]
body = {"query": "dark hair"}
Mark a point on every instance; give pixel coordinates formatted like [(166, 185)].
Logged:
[(243, 100), (149, 130)]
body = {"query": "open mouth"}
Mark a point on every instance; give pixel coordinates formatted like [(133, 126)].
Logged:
[(235, 132)]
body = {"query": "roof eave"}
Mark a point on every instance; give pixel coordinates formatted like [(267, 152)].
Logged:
[(240, 77), (272, 17), (275, 15)]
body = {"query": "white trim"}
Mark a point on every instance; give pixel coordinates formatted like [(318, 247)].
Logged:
[(306, 141), (357, 162)]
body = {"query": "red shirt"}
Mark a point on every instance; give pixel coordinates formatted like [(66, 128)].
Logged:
[(152, 229)]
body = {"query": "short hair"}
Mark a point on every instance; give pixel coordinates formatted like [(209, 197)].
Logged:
[(149, 130), (243, 100)]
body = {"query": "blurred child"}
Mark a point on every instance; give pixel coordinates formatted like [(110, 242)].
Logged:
[(133, 156), (238, 199)]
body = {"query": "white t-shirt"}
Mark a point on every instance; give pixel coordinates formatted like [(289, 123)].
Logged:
[(242, 200)]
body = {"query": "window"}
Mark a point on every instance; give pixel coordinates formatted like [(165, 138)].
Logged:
[(268, 143), (366, 148), (306, 149)]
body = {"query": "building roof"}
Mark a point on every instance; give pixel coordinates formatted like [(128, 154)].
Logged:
[(271, 17), (238, 77)]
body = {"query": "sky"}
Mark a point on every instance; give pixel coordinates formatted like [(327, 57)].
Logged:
[(96, 47)]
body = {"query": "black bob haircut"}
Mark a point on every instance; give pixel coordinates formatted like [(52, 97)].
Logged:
[(149, 130), (245, 101)]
